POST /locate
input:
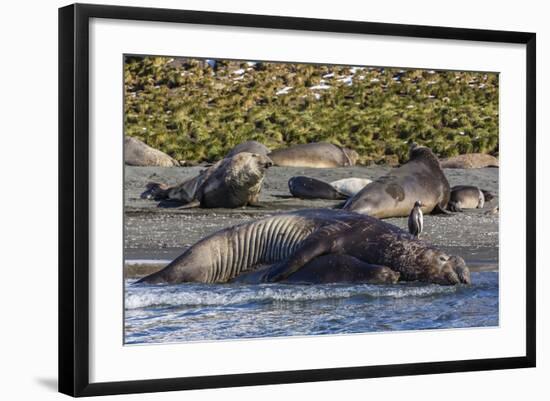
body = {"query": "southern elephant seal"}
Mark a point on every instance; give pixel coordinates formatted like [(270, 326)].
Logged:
[(468, 197), (394, 194), (350, 186), (137, 153), (328, 269), (250, 147), (318, 155), (232, 182), (312, 188), (288, 241), (470, 160)]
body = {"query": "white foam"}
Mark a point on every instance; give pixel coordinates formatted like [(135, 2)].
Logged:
[(189, 295)]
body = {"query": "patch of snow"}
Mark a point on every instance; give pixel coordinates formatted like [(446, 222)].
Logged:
[(284, 91), (322, 86), (240, 71), (374, 80), (329, 75), (346, 80)]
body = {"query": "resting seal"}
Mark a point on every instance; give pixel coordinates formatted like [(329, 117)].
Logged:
[(394, 194), (468, 197), (312, 188), (350, 186), (328, 269), (317, 155), (137, 153), (232, 182), (289, 241), (470, 160), (250, 147)]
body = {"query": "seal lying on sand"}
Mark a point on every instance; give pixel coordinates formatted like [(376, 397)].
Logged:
[(312, 188), (394, 194), (470, 160), (289, 241), (137, 153), (318, 155), (250, 147), (327, 269), (232, 182), (350, 186), (468, 197)]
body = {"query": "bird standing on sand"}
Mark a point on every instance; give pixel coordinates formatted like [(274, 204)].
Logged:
[(416, 220)]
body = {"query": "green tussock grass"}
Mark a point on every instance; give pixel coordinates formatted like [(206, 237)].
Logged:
[(186, 109)]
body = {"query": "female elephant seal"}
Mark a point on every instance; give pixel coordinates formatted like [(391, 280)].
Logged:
[(350, 186), (470, 160), (289, 241), (317, 155), (137, 153), (232, 182), (250, 147), (468, 197), (393, 195), (312, 188)]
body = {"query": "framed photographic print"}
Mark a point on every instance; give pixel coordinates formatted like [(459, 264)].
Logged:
[(250, 199)]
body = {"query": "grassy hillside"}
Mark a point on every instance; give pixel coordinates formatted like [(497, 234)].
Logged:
[(186, 109)]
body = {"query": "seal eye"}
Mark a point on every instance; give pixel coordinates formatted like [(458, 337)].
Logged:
[(442, 258)]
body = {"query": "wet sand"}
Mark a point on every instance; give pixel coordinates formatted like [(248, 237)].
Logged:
[(161, 234)]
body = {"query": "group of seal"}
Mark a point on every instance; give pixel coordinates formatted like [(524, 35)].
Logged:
[(289, 242), (319, 245)]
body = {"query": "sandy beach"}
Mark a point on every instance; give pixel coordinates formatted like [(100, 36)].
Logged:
[(159, 234)]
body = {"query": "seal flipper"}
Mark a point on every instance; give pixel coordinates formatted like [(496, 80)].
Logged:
[(317, 244), (440, 210)]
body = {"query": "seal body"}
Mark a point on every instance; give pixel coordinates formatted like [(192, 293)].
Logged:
[(470, 160), (249, 147), (312, 188), (327, 269), (350, 186), (468, 197), (317, 155), (288, 241), (232, 182), (137, 153), (394, 194)]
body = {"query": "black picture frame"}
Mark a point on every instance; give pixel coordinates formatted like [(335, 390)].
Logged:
[(74, 198)]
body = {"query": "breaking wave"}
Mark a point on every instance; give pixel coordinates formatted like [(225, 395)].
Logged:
[(146, 296)]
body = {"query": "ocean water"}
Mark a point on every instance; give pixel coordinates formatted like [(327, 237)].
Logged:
[(206, 312)]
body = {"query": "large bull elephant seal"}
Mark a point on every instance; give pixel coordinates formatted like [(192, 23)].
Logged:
[(317, 155), (470, 160), (329, 269), (232, 182), (394, 195), (137, 153), (250, 147), (289, 241)]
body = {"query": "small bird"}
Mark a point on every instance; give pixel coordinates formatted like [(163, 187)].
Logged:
[(416, 220)]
